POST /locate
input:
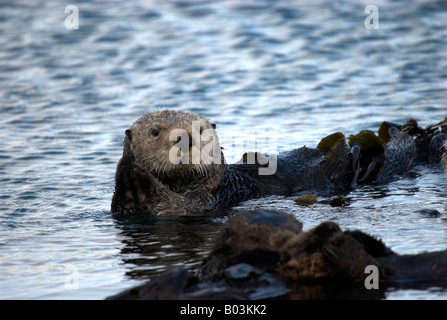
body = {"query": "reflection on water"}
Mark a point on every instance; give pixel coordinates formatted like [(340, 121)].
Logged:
[(303, 69), (152, 245)]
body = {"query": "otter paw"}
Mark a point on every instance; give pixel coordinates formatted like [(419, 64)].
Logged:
[(144, 179)]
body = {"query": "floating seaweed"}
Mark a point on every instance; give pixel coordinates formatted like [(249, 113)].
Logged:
[(306, 200), (328, 142)]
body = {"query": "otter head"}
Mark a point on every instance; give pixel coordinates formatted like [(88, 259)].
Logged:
[(172, 144)]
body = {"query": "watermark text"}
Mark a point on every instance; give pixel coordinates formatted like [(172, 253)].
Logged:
[(372, 21), (72, 20)]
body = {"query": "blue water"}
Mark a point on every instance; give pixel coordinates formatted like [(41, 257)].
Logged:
[(301, 69)]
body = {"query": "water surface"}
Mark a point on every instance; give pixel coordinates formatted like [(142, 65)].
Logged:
[(300, 69)]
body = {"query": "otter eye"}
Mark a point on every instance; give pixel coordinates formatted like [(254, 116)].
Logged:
[(155, 132)]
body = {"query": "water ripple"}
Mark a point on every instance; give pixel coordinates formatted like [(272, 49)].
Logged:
[(304, 69)]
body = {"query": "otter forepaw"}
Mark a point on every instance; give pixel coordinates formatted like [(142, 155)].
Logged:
[(143, 178)]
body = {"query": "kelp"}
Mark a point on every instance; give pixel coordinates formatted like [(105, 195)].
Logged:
[(328, 142), (306, 200), (369, 143), (394, 149), (384, 130)]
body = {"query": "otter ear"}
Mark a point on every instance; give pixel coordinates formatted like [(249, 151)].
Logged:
[(129, 134)]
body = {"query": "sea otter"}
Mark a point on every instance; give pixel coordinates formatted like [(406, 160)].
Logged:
[(265, 254), (157, 176), (172, 164)]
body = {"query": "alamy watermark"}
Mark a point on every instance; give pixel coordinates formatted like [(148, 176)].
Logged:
[(211, 152), (372, 21), (372, 281), (72, 20), (72, 279)]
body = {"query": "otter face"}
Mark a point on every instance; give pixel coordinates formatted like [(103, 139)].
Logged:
[(172, 143)]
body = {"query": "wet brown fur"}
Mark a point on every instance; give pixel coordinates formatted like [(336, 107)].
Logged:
[(322, 252), (147, 181)]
